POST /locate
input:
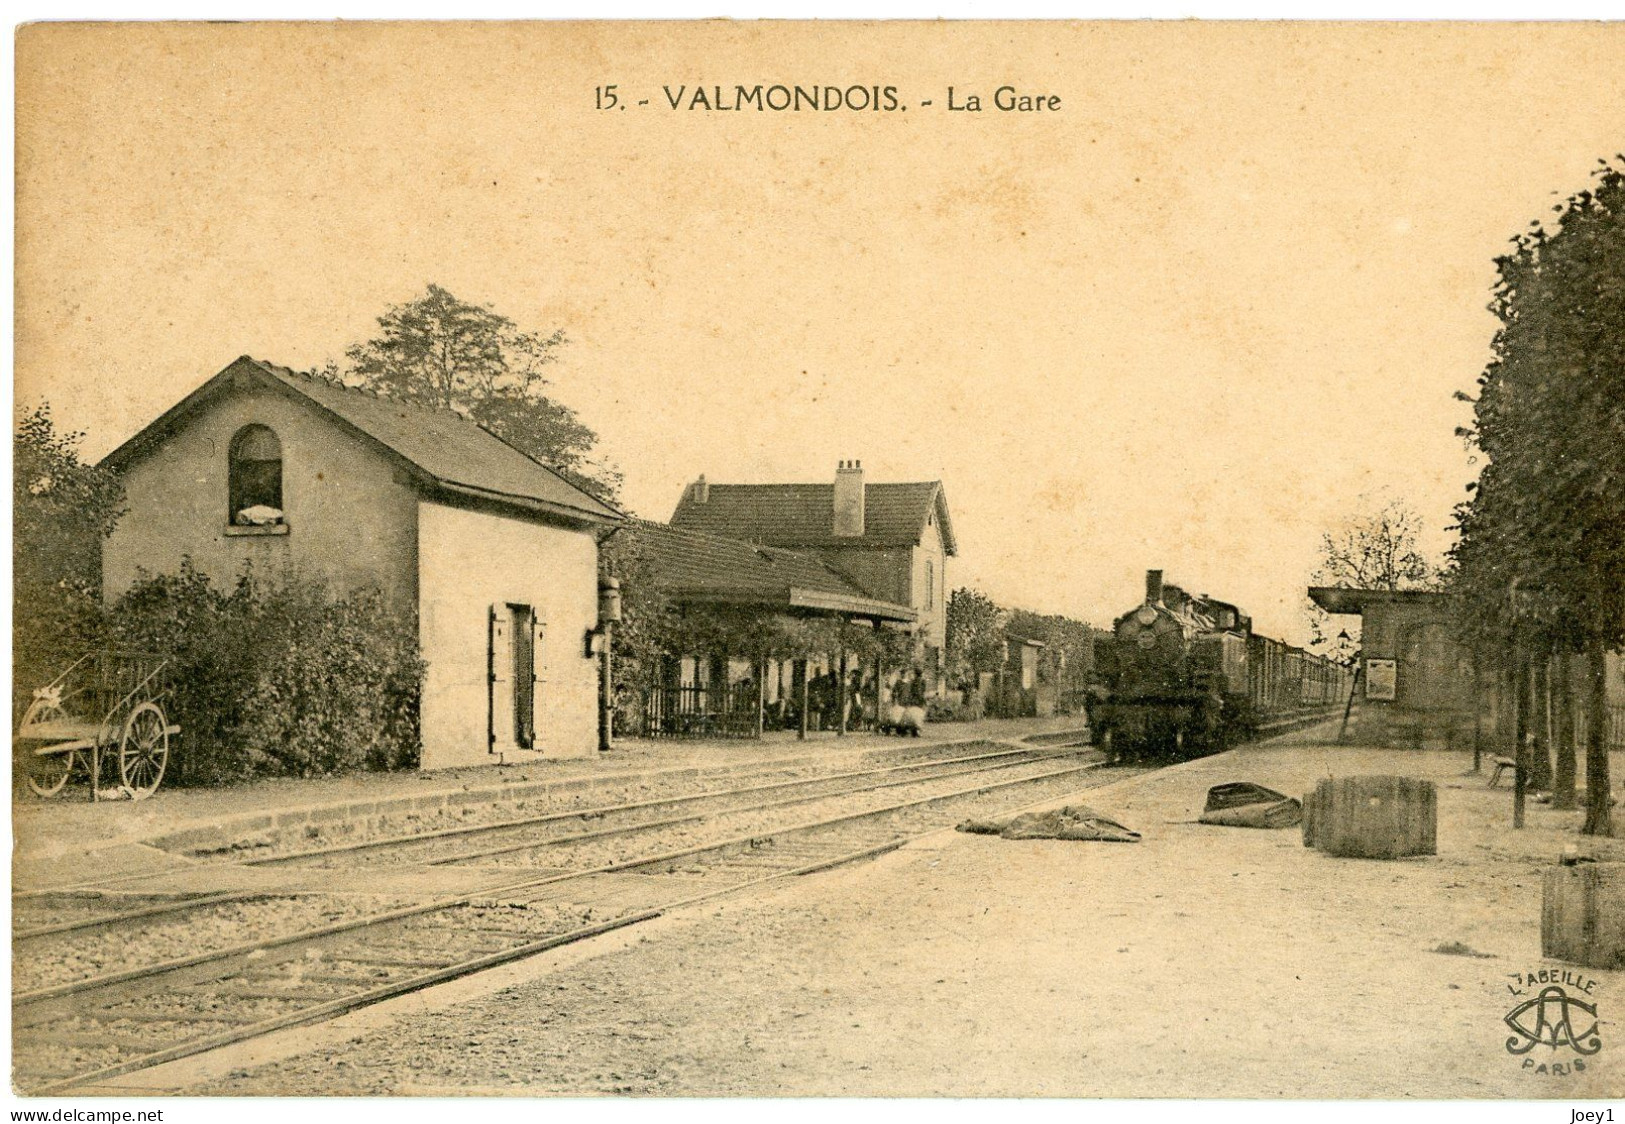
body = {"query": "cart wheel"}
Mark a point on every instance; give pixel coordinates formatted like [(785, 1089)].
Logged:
[(144, 750), (46, 773)]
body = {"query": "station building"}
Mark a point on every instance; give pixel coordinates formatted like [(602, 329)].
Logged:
[(738, 685), (889, 543)]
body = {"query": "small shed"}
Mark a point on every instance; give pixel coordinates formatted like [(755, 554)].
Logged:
[(1015, 689), (1415, 681), (493, 553)]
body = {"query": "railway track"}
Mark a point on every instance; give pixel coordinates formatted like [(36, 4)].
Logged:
[(129, 884), (94, 1029), (520, 835), (545, 830)]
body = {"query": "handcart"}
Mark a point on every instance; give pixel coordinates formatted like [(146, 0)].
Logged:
[(102, 719)]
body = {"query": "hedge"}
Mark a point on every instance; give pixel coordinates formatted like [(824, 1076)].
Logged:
[(278, 678)]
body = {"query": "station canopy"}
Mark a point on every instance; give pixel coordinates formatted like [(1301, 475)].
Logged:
[(1339, 600)]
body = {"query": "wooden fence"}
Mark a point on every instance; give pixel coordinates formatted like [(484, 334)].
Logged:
[(702, 712), (1614, 738)]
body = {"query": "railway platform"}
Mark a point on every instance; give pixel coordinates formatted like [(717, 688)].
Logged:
[(56, 841)]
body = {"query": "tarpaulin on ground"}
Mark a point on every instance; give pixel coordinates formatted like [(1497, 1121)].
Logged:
[(1075, 821), (1243, 804)]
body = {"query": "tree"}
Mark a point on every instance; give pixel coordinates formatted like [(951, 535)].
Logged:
[(1542, 537), (975, 634), (445, 353), (1376, 549), (278, 677), (62, 509), (642, 639)]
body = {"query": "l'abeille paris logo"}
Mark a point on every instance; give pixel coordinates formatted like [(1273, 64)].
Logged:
[(1557, 1010)]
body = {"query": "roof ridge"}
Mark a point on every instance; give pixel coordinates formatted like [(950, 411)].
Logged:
[(765, 549), (694, 533), (793, 566), (365, 391), (421, 407), (553, 468), (292, 378), (829, 484)]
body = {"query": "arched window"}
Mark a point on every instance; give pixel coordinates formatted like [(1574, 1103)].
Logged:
[(256, 477)]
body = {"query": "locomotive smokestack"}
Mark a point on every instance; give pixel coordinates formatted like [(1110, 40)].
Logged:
[(1153, 587)]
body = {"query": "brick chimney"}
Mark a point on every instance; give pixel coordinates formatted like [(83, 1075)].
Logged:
[(699, 491), (1153, 587), (849, 500)]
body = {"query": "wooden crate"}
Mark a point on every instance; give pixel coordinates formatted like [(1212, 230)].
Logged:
[(1582, 914), (1372, 817)]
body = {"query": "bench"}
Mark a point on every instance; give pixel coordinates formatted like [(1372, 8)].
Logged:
[(1502, 764)]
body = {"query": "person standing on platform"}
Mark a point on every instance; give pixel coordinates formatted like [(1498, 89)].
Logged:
[(914, 703), (854, 700), (829, 700)]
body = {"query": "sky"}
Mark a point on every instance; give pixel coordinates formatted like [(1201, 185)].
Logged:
[(1206, 308)]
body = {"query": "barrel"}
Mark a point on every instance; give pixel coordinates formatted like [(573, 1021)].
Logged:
[(1582, 914), (1372, 817), (1311, 814)]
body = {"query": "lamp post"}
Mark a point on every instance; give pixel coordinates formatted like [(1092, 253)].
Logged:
[(609, 614)]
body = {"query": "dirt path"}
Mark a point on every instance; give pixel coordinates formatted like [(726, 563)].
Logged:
[(1201, 962)]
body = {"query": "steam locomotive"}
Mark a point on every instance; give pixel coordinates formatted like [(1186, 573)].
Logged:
[(1187, 676)]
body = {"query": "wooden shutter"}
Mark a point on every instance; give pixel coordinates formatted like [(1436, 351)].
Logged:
[(499, 677), (537, 665)]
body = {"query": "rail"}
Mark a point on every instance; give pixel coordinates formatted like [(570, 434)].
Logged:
[(80, 1032)]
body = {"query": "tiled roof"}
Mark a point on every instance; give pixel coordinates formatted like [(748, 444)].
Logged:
[(695, 566), (802, 515), (452, 449)]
